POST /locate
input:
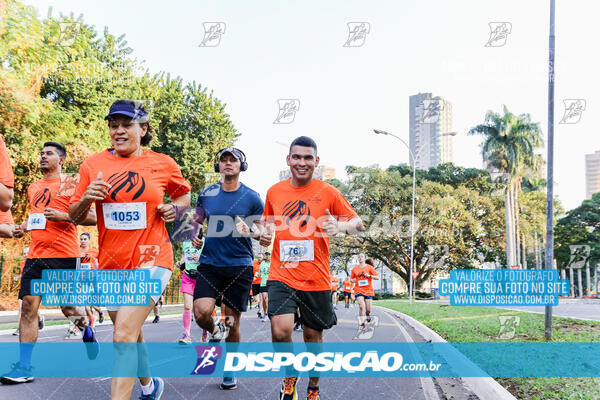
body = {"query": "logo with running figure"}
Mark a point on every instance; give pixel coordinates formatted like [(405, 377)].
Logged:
[(287, 111), (574, 108), (207, 359), (212, 34), (499, 32), (129, 181), (43, 198), (357, 33), (297, 210), (148, 254)]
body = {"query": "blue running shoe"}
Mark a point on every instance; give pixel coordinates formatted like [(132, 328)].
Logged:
[(18, 374), (159, 387), (91, 344), (229, 383)]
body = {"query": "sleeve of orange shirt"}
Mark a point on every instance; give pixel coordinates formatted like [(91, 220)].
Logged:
[(84, 182), (353, 274), (7, 178), (6, 217), (341, 208), (268, 211), (177, 185), (372, 272)]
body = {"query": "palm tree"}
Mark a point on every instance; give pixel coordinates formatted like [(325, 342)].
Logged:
[(509, 142)]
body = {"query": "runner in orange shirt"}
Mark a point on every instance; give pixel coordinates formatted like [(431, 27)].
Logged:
[(363, 275), (7, 182), (128, 184), (53, 246), (7, 178), (347, 286), (335, 291), (7, 224), (256, 284), (89, 260), (299, 211)]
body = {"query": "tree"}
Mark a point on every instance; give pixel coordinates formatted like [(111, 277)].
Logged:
[(580, 226), (508, 149), (456, 227)]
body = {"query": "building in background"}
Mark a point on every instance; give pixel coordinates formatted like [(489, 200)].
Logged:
[(592, 174), (321, 172), (430, 128)]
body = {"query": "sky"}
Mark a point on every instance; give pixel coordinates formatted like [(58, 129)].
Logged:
[(272, 50)]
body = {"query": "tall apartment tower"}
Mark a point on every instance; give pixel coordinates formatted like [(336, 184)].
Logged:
[(592, 174), (430, 120)]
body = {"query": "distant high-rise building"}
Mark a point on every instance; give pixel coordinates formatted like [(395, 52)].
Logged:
[(592, 174), (321, 172), (430, 127)]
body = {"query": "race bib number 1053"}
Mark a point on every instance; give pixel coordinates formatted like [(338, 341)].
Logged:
[(124, 216)]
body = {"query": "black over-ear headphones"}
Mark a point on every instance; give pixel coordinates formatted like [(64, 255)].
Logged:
[(243, 163)]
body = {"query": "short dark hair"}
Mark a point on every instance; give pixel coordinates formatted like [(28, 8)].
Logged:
[(370, 262), (86, 234), (61, 149), (304, 141)]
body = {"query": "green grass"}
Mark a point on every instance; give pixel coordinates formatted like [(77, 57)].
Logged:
[(481, 324)]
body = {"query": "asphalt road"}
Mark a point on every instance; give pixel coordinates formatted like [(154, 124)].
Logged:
[(170, 328)]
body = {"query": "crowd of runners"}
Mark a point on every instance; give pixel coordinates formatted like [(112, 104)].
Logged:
[(289, 279)]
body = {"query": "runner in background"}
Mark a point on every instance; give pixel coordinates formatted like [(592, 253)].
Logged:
[(156, 310), (54, 245), (41, 318), (190, 260), (128, 184), (264, 267), (335, 291), (347, 286), (89, 260), (300, 211), (363, 275), (256, 285)]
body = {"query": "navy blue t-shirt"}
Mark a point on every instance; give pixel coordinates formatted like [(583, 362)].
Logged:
[(223, 246)]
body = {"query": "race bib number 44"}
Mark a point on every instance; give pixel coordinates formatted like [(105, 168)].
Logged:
[(124, 216), (297, 250), (36, 221)]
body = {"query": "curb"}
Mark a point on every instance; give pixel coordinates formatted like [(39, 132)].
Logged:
[(484, 388)]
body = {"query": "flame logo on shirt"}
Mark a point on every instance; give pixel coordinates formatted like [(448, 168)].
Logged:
[(127, 180), (298, 210), (43, 198)]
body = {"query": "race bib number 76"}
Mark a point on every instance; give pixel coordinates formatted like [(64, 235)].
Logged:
[(296, 250)]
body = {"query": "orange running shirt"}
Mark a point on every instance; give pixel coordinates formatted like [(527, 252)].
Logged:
[(89, 257), (7, 178), (256, 268), (347, 284), (300, 256), (335, 282), (363, 284), (57, 239), (138, 185)]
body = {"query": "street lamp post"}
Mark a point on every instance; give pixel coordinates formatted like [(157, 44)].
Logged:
[(412, 214)]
